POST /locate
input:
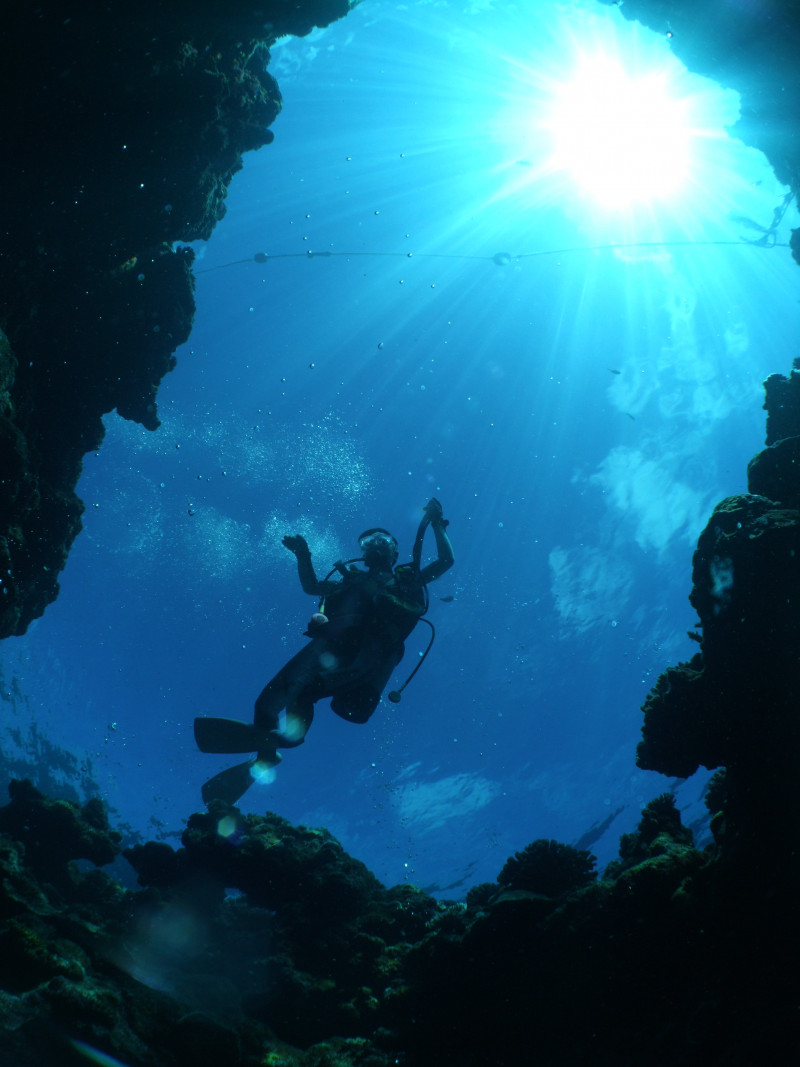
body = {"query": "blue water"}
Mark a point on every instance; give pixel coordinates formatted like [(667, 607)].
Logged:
[(578, 415)]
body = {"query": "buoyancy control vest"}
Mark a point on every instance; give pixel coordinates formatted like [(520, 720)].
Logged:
[(389, 610)]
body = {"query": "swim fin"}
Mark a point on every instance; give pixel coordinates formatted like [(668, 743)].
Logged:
[(227, 735), (229, 785)]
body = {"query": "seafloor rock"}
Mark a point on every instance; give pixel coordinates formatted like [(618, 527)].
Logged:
[(122, 127), (184, 975), (329, 929), (57, 831), (230, 955), (649, 965), (549, 868), (782, 405), (660, 832)]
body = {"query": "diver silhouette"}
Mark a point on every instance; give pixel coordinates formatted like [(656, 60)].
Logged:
[(356, 641)]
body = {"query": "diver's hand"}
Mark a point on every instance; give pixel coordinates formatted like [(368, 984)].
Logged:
[(433, 510), (297, 544)]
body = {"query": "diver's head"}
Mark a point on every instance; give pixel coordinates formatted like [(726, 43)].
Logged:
[(378, 548)]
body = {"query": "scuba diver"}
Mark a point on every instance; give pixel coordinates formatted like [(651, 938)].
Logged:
[(356, 641)]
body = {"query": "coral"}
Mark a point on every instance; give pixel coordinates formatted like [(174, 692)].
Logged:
[(734, 705), (179, 973), (782, 404), (339, 921), (716, 792), (660, 836), (716, 801), (347, 1052), (549, 868), (57, 831), (659, 828), (480, 896), (401, 913), (278, 865), (676, 735), (155, 862), (29, 956)]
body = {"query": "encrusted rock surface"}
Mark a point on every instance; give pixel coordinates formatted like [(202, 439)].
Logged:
[(263, 944), (735, 704), (122, 126)]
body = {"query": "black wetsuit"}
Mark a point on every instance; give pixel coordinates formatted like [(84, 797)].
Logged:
[(370, 614), (356, 643), (350, 658)]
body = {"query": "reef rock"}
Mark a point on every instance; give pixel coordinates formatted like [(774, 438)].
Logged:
[(122, 127), (263, 944), (735, 704)]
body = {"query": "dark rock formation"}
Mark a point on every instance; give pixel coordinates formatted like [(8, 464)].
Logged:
[(261, 943), (122, 127), (186, 972), (54, 832), (328, 927), (735, 704), (549, 868)]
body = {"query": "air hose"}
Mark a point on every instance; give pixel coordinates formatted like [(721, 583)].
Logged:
[(416, 558)]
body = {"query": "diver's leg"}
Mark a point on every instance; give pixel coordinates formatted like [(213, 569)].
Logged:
[(229, 735), (270, 703), (295, 688), (277, 693), (295, 724)]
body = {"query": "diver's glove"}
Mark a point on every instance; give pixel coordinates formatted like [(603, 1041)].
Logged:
[(433, 510), (297, 544)]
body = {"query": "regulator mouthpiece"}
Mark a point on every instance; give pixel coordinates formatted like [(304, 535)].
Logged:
[(316, 624), (395, 696)]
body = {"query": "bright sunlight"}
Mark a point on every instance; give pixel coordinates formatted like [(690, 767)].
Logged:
[(624, 139)]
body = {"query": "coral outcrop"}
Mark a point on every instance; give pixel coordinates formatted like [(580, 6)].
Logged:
[(262, 943), (549, 868), (734, 705), (122, 127)]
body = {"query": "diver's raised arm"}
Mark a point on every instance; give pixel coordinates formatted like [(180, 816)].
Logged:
[(444, 549), (305, 568)]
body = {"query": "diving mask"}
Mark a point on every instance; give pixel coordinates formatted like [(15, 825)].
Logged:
[(377, 539)]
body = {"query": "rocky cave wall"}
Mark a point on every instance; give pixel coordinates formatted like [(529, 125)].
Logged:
[(122, 126)]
